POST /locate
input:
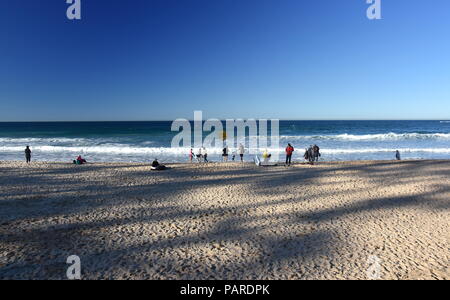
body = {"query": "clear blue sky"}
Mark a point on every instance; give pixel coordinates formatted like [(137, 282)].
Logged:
[(163, 59)]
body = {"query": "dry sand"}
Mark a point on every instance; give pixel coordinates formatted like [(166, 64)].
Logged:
[(226, 221)]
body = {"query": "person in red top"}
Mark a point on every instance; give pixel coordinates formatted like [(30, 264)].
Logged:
[(81, 160), (289, 152)]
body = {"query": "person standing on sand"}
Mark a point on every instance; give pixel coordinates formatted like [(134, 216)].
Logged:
[(289, 151), (309, 155), (397, 155), (28, 154), (316, 153), (191, 155), (225, 154), (241, 152), (199, 155), (205, 155)]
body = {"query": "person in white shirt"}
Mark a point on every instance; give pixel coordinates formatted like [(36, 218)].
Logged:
[(199, 155), (241, 152)]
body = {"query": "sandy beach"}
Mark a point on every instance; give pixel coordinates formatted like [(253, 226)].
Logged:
[(226, 221)]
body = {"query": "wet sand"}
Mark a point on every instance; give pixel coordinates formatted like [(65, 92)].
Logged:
[(226, 221)]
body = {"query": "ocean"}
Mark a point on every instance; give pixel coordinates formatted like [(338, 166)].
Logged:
[(144, 141)]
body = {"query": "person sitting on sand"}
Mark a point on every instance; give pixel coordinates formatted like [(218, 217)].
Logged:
[(79, 160), (156, 166), (266, 156)]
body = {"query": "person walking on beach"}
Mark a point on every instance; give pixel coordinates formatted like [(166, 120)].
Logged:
[(289, 151), (199, 155), (28, 154), (241, 152), (397, 155), (205, 155), (225, 154)]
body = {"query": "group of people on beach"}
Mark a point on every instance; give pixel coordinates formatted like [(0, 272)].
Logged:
[(312, 155), (78, 161), (202, 154)]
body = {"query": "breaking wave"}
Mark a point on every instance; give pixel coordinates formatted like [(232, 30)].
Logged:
[(374, 137)]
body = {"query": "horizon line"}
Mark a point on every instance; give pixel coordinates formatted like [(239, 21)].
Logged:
[(295, 120)]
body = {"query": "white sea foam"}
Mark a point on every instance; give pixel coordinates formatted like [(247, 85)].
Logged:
[(184, 151), (372, 137), (340, 137)]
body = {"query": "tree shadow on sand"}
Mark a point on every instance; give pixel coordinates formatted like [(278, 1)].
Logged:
[(142, 206)]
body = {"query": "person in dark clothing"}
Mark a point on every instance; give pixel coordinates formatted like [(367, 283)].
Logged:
[(316, 152), (156, 166), (309, 155), (155, 163), (289, 152), (28, 154), (225, 154), (306, 155), (205, 155)]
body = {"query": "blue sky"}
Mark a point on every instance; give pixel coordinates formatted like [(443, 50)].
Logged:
[(163, 59)]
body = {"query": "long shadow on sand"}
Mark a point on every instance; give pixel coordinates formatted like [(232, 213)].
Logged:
[(146, 204)]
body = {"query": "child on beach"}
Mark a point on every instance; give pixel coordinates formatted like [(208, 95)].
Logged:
[(225, 154)]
